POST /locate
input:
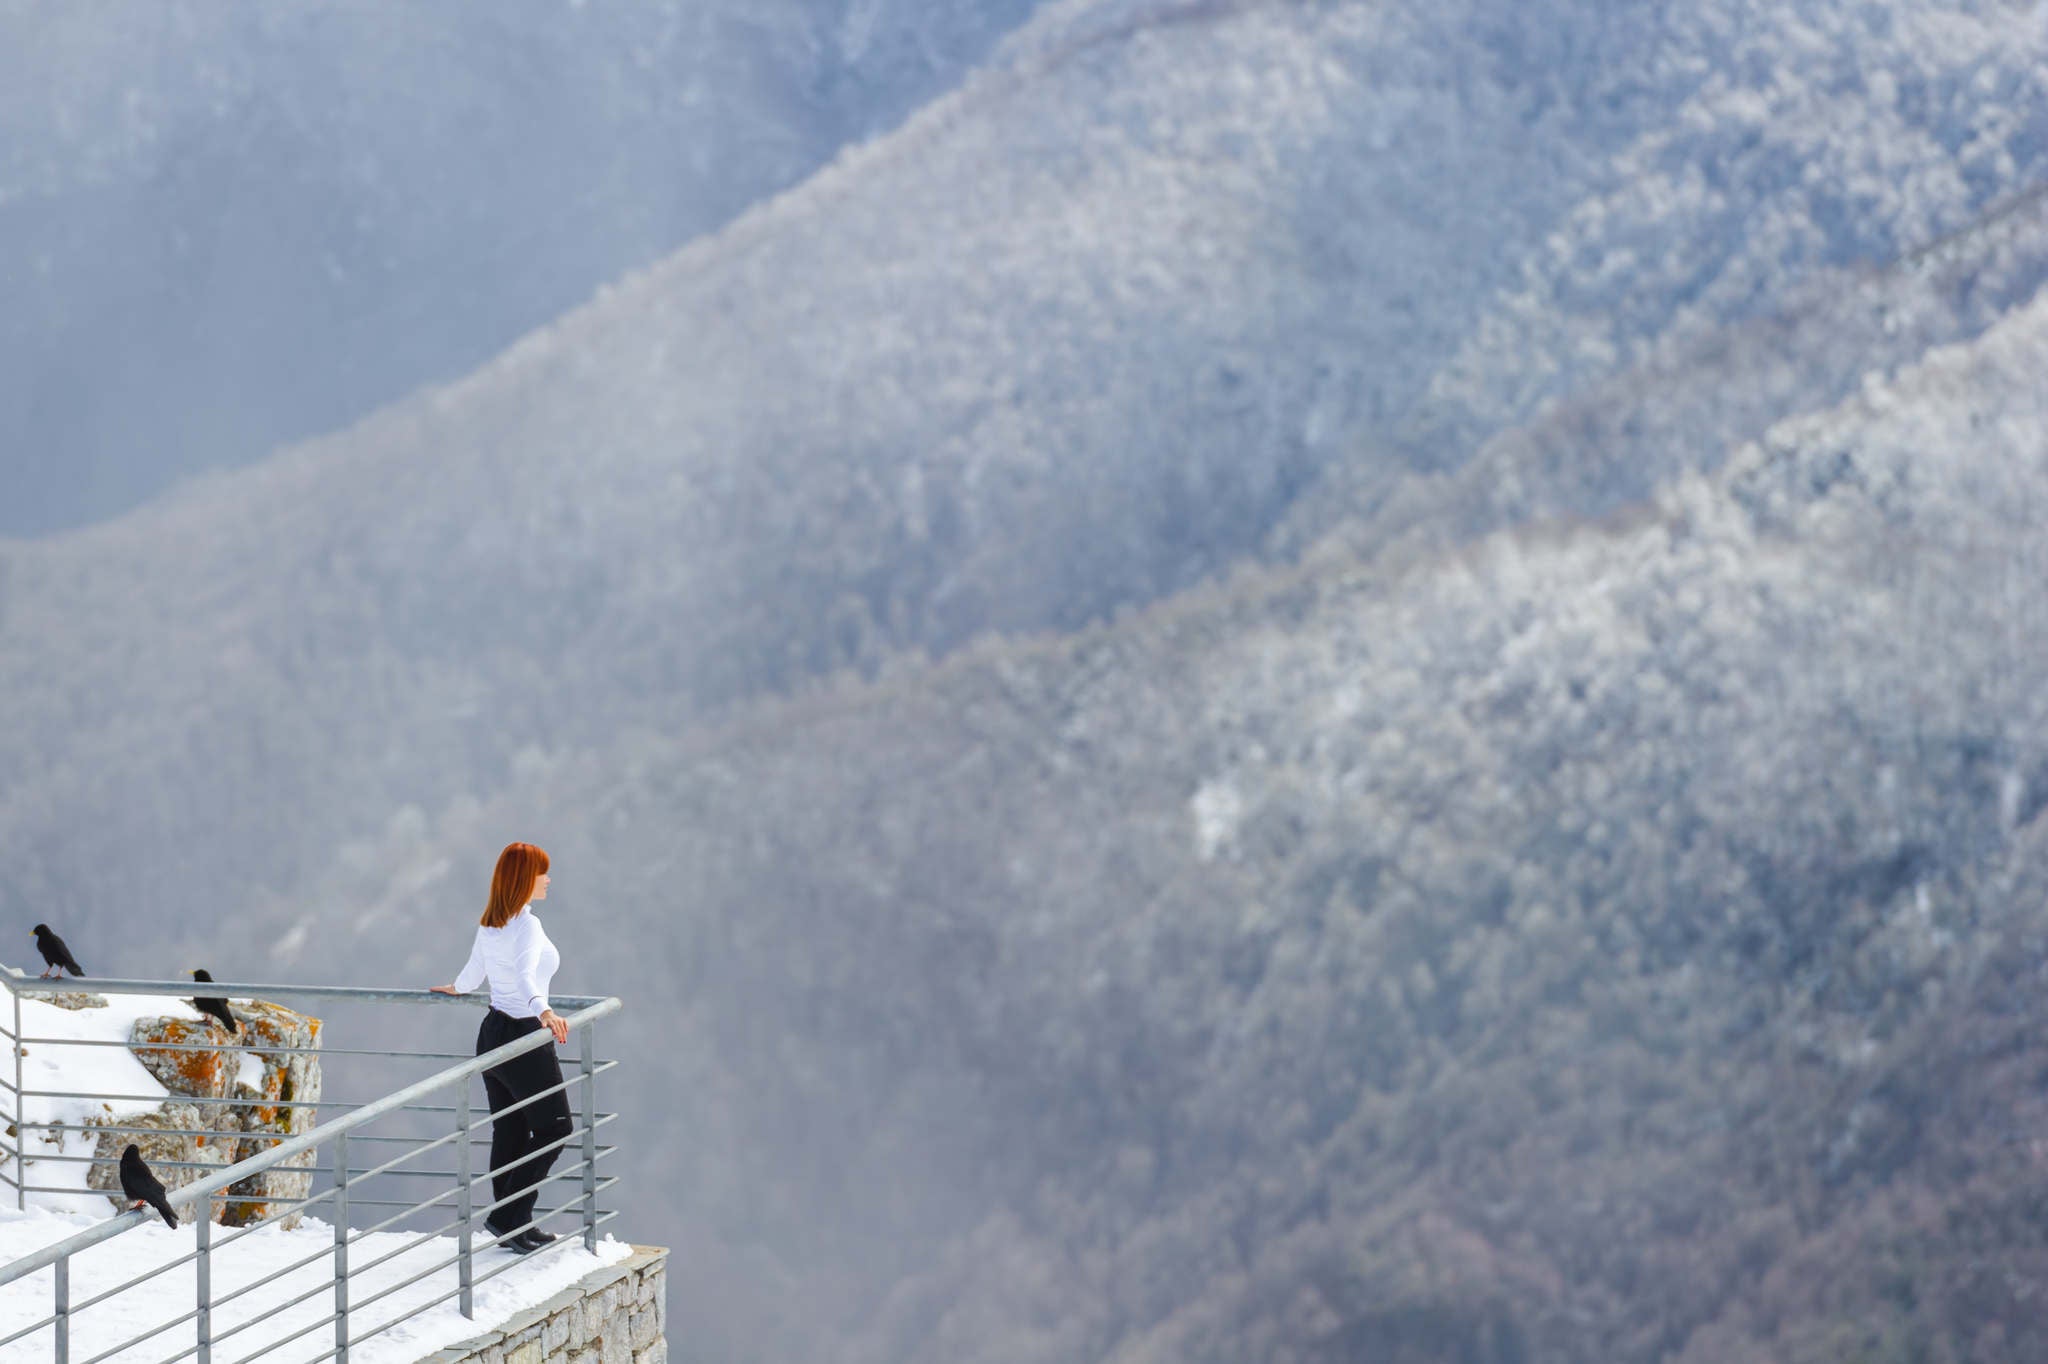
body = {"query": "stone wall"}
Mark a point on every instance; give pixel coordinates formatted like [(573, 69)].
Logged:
[(617, 1315)]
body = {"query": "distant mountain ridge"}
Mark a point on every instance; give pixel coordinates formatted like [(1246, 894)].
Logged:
[(227, 226)]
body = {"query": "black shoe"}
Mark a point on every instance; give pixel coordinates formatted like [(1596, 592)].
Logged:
[(514, 1241), (533, 1238)]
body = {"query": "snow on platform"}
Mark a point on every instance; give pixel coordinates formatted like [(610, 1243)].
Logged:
[(172, 1294), (83, 1070)]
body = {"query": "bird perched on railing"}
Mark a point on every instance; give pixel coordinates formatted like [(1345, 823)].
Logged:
[(142, 1186), (56, 956), (214, 1008)]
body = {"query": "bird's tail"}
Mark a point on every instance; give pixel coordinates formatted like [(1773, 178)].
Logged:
[(163, 1205)]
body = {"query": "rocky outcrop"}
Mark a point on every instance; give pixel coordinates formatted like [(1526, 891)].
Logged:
[(286, 1078), (266, 1068)]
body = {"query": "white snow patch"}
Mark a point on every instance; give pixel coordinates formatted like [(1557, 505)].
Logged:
[(127, 1314), (63, 1053), (1218, 809)]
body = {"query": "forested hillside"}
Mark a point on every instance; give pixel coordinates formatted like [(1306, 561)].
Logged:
[(1085, 333), (1291, 682), (1616, 940)]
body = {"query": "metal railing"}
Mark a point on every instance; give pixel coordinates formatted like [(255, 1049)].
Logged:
[(345, 1181)]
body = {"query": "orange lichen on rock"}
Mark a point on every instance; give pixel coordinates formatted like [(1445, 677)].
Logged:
[(201, 1073)]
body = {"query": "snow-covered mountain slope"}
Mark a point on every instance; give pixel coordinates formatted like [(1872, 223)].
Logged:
[(1076, 336)]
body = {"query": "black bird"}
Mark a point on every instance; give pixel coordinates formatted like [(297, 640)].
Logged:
[(143, 1187), (56, 955), (216, 1008)]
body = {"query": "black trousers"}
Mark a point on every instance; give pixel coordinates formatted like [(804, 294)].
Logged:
[(517, 1137)]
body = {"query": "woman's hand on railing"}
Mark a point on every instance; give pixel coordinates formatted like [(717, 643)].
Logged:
[(448, 989), (556, 1024)]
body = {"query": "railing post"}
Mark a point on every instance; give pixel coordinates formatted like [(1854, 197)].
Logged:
[(20, 1112), (63, 1324), (204, 1212), (341, 1247), (589, 1137), (467, 1299)]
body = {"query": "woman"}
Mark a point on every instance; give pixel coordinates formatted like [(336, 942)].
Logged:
[(512, 951)]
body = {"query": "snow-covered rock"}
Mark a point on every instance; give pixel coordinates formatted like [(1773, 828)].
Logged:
[(66, 1052)]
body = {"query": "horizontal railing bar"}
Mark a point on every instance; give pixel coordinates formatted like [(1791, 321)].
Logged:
[(45, 1324), (358, 1305), (323, 1287), (355, 1270), (198, 1099), (133, 1131), (571, 1078), (70, 1189), (514, 1263), (557, 1144), (293, 1206), (297, 1204), (325, 1252), (391, 1165), (218, 1198), (14, 979), (327, 1320), (43, 1126), (476, 1213), (410, 1209), (482, 1213), (252, 1049), (574, 1078), (422, 1205), (354, 1175), (134, 1279), (358, 1136), (383, 1293), (272, 1309), (137, 1340), (562, 1243), (308, 1141), (154, 1164), (188, 1350)]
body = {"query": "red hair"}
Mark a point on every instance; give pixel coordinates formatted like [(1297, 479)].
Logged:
[(519, 866)]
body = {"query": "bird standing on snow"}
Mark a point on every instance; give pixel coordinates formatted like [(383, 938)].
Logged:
[(56, 956), (214, 1008), (143, 1187)]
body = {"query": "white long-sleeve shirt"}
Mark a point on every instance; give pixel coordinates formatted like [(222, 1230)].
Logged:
[(519, 961)]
